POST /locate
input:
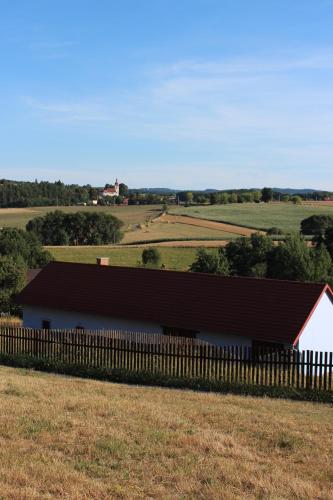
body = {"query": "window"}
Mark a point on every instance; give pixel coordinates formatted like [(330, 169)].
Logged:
[(46, 324), (173, 331)]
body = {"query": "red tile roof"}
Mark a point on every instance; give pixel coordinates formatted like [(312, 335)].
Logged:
[(263, 309)]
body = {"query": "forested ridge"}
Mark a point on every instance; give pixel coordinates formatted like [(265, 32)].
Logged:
[(44, 193)]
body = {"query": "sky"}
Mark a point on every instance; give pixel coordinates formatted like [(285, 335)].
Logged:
[(187, 94)]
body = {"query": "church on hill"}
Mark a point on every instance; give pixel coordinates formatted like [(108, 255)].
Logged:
[(111, 191)]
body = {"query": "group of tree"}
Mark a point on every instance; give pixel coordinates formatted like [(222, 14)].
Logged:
[(29, 194), (19, 251), (80, 228), (245, 196), (257, 256)]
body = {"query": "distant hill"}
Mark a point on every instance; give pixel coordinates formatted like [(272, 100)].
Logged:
[(296, 191)]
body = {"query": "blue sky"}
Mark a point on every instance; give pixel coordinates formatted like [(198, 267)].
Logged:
[(175, 93)]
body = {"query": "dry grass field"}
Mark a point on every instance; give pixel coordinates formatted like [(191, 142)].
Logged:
[(179, 227), (19, 217), (69, 438)]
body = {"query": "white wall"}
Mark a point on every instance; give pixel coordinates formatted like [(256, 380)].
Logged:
[(318, 333), (33, 317)]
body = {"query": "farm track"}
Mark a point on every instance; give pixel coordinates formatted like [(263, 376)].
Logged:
[(176, 244), (208, 224)]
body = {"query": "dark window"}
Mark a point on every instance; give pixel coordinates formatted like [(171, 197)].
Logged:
[(173, 331), (46, 324)]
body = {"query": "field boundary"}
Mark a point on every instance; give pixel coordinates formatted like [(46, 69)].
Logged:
[(158, 359)]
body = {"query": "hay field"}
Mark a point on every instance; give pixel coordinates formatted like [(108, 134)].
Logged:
[(286, 216), (64, 437), (174, 227), (130, 215)]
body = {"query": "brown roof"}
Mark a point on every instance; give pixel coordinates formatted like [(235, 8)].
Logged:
[(263, 309), (32, 273)]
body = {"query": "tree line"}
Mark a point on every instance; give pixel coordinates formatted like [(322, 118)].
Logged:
[(292, 259), (30, 194)]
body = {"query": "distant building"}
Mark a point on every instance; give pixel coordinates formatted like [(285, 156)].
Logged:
[(221, 310), (111, 191)]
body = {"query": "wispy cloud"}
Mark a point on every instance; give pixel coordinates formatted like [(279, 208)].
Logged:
[(241, 103)]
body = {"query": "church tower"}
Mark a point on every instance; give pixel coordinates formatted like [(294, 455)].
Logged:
[(116, 187)]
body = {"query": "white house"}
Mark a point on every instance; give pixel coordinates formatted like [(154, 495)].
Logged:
[(221, 310)]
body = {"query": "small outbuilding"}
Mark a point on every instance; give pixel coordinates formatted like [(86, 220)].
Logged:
[(218, 309)]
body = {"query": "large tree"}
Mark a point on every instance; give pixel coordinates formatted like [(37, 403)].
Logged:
[(17, 243), (214, 262), (13, 273), (294, 260), (248, 256), (316, 224)]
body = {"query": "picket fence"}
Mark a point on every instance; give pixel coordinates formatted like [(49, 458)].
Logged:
[(173, 357)]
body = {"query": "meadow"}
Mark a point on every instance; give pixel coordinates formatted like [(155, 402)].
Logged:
[(63, 437), (286, 216), (172, 257), (130, 215)]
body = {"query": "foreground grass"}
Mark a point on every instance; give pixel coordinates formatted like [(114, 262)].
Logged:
[(173, 258), (70, 438), (286, 216)]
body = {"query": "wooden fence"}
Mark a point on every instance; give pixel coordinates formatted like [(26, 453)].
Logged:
[(173, 357)]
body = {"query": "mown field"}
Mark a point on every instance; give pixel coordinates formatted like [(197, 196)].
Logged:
[(286, 216), (19, 217), (173, 258), (64, 437)]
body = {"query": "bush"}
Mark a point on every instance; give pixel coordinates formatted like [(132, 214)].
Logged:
[(151, 256), (316, 224), (274, 231)]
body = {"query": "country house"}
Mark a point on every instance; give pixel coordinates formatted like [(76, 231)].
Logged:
[(218, 309)]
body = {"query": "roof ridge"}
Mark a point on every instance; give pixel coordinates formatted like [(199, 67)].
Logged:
[(188, 273)]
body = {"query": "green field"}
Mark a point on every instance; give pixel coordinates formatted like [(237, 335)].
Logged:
[(173, 258), (130, 215), (286, 216)]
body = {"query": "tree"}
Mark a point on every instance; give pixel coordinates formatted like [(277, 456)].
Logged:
[(80, 228), (123, 190), (13, 273), (267, 194), (21, 244), (189, 197), (291, 260), (296, 199), (214, 262), (316, 224), (151, 256), (248, 256)]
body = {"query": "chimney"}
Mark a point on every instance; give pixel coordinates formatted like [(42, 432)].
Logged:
[(103, 261)]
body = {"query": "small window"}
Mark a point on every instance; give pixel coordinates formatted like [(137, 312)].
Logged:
[(179, 332), (46, 324)]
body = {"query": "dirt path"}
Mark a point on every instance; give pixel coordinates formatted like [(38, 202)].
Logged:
[(176, 244), (220, 226)]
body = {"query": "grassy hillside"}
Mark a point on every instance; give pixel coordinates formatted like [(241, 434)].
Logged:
[(173, 258), (259, 215), (69, 438)]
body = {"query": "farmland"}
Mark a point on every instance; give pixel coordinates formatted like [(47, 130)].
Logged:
[(63, 437), (173, 258), (130, 215), (258, 215)]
